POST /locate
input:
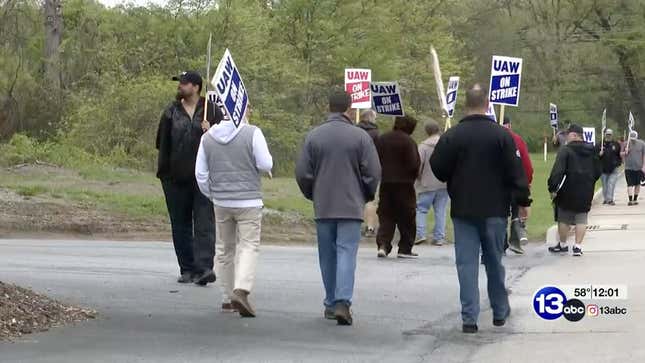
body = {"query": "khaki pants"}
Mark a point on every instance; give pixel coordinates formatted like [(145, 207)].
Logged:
[(370, 216), (237, 248)]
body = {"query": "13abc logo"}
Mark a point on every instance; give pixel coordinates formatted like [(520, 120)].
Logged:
[(550, 303)]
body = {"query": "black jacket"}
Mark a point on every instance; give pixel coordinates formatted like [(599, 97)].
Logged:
[(579, 162), (482, 166), (371, 128), (610, 158), (178, 140)]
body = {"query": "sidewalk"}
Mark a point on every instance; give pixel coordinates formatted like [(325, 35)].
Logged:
[(614, 254)]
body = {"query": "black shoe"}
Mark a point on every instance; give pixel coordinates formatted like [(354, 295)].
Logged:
[(559, 248), (502, 322), (205, 278), (469, 328), (342, 314), (516, 247), (185, 278), (577, 251), (330, 313), (612, 203), (420, 240), (631, 203), (605, 202), (408, 255)]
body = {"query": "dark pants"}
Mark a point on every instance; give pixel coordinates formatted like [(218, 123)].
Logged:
[(513, 236), (193, 226), (397, 209)]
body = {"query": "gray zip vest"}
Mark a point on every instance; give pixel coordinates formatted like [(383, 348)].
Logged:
[(233, 171)]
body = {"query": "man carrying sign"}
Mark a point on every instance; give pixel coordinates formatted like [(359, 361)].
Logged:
[(634, 166), (191, 214), (611, 160), (571, 184)]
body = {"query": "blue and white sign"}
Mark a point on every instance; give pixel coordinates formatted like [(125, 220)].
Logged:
[(451, 96), (553, 115), (230, 89), (589, 135), (386, 98), (491, 112), (505, 77)]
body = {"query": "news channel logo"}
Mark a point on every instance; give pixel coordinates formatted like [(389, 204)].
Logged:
[(551, 303)]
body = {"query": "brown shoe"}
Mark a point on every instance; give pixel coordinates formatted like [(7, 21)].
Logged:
[(241, 303), (343, 315)]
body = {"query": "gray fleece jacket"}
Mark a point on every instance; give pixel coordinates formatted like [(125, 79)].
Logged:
[(427, 181)]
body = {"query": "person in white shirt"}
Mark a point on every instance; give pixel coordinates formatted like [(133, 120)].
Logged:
[(229, 162)]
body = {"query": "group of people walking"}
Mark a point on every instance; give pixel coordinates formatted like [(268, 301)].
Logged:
[(210, 170), (578, 167)]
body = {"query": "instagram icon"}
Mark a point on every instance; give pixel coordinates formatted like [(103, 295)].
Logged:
[(592, 310)]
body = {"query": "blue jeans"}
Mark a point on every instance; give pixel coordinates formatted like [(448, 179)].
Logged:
[(609, 185), (471, 234), (337, 248), (438, 200)]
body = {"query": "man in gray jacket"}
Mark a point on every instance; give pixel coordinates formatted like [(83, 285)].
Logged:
[(339, 170), (431, 193)]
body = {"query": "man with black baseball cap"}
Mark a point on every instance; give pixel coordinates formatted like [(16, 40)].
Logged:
[(192, 217), (571, 184)]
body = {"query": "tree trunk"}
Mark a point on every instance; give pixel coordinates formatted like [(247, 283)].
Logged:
[(53, 34), (635, 90)]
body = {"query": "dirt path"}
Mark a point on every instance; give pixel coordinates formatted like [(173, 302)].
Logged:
[(45, 201)]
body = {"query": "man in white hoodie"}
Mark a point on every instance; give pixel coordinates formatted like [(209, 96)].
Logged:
[(229, 162)]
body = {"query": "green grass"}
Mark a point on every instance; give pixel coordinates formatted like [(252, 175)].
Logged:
[(283, 194), (541, 211), (139, 194)]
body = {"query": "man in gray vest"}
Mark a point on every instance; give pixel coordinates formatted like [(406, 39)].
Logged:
[(229, 162)]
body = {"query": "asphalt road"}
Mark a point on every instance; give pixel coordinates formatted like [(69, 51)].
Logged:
[(405, 310)]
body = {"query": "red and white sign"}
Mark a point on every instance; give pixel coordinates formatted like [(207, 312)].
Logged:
[(357, 84)]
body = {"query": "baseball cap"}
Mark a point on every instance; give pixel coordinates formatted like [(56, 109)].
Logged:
[(575, 128), (609, 132), (189, 77)]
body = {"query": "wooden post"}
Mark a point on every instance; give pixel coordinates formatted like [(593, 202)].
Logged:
[(545, 149), (358, 115), (501, 114), (448, 124)]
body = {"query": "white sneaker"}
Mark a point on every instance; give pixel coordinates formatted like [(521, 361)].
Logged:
[(438, 242)]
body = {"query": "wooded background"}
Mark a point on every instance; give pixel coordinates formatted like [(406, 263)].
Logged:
[(82, 81)]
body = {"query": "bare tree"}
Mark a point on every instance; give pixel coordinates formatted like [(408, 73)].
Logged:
[(53, 34)]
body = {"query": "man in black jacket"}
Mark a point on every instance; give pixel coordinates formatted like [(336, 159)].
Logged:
[(571, 184), (191, 214), (482, 166), (611, 160)]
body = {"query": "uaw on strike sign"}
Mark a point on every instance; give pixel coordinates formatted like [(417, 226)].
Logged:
[(357, 84), (505, 76), (230, 89)]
